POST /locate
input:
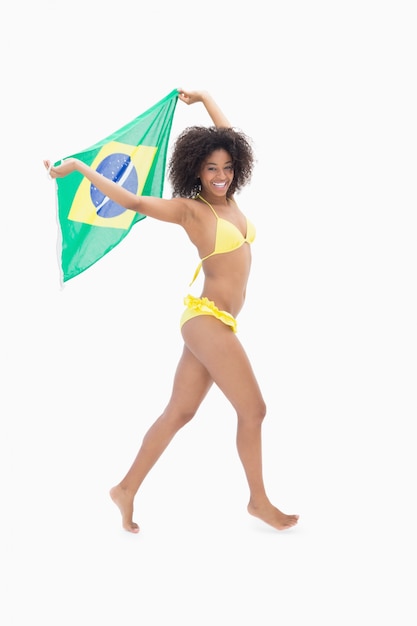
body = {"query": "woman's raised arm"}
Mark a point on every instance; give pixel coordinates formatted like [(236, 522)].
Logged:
[(212, 108)]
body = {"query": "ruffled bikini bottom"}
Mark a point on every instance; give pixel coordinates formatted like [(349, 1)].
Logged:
[(204, 306)]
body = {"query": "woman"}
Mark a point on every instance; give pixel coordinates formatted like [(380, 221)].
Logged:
[(207, 167)]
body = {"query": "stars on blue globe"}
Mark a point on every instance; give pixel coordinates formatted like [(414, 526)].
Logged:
[(119, 168)]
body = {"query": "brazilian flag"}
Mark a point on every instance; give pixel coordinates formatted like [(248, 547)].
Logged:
[(134, 157)]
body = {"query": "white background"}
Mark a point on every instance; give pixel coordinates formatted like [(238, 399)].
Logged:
[(327, 91)]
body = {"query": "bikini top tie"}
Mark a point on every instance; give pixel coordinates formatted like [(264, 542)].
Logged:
[(228, 237)]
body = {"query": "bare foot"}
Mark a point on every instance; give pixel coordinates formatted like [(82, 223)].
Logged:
[(124, 501), (273, 516)]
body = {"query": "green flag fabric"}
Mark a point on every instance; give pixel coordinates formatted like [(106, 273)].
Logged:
[(135, 157)]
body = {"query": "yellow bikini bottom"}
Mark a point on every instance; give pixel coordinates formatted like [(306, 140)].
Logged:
[(204, 306)]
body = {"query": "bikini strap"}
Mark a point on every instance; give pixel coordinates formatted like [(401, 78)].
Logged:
[(208, 204), (197, 271)]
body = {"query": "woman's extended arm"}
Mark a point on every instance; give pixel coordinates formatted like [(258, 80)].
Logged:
[(162, 209), (212, 108)]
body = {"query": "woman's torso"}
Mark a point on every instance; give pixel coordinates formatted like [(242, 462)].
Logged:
[(222, 236)]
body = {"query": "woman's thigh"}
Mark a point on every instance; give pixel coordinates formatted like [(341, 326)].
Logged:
[(191, 384), (220, 352)]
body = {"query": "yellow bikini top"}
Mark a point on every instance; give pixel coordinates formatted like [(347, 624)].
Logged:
[(228, 237)]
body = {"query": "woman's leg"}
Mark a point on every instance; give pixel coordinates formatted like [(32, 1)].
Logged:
[(220, 352), (191, 384)]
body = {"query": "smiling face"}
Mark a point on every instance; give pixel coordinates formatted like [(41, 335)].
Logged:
[(216, 173)]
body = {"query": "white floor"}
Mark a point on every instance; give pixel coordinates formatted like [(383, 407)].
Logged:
[(346, 467)]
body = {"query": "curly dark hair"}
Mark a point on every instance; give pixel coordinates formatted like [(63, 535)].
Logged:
[(194, 145)]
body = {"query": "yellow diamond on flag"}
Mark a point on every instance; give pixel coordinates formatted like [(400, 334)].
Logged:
[(127, 165)]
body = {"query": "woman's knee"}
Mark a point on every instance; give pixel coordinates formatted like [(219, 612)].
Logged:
[(262, 411), (255, 415), (180, 418), (185, 417)]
